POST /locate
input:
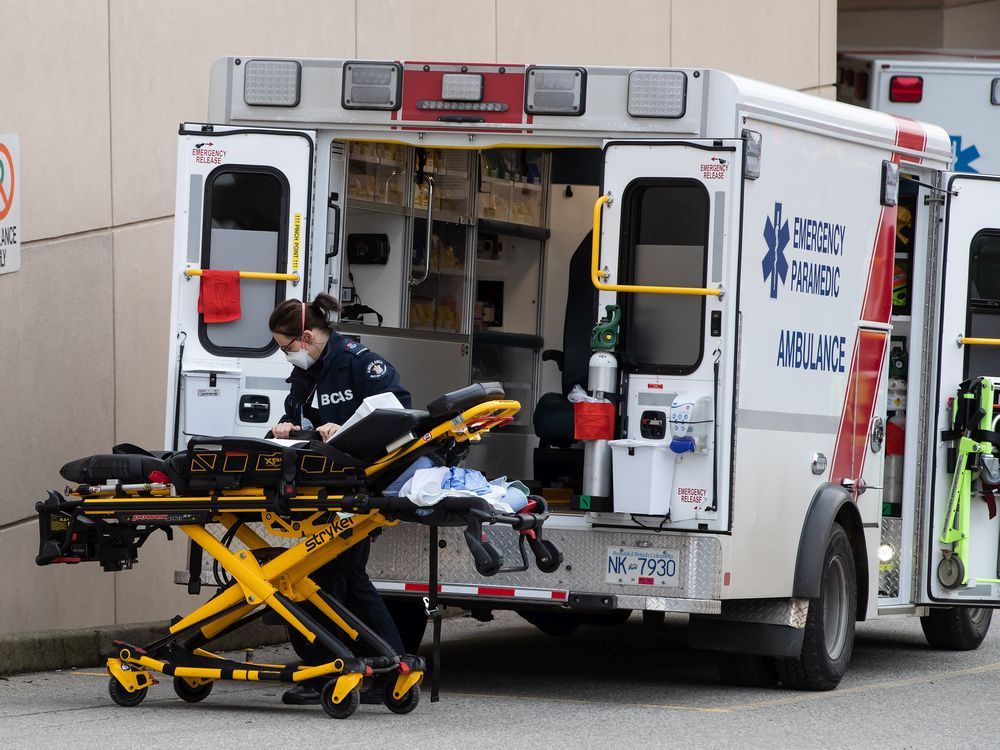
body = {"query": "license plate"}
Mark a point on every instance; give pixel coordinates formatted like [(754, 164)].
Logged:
[(634, 566)]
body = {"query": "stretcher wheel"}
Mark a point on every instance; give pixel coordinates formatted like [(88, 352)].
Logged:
[(491, 566), (551, 558), (184, 690), (120, 694), (409, 701), (345, 708), (951, 571)]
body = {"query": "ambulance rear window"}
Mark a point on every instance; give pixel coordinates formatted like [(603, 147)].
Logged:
[(667, 245), (246, 230)]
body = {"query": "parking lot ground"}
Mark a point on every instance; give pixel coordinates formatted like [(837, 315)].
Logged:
[(504, 682)]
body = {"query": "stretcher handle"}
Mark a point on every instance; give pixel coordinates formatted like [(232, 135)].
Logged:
[(598, 274), (260, 275)]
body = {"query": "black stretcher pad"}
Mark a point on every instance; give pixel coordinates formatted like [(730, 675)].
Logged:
[(215, 463)]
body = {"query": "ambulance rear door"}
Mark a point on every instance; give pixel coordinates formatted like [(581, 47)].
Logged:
[(969, 332), (243, 204), (672, 221)]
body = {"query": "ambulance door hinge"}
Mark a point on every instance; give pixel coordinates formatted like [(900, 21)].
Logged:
[(934, 198)]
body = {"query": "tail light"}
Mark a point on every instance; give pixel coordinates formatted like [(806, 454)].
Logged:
[(906, 89)]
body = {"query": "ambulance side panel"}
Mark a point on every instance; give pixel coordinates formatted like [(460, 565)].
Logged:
[(812, 343), (955, 96)]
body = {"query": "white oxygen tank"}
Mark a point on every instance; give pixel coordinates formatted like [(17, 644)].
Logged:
[(602, 382)]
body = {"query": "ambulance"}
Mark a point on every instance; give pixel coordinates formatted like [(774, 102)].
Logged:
[(956, 89), (752, 332)]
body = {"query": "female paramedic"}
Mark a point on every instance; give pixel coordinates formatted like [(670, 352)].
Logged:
[(336, 374)]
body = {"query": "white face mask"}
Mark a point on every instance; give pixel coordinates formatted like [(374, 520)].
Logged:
[(300, 358)]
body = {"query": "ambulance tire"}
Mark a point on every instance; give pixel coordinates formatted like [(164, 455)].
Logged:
[(956, 628), (747, 670), (411, 621), (556, 624), (828, 639)]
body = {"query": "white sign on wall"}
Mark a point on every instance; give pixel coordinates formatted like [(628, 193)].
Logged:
[(10, 204)]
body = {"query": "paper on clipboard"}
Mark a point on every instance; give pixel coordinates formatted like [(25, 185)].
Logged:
[(370, 404)]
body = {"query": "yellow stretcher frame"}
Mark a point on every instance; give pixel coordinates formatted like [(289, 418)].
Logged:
[(285, 576)]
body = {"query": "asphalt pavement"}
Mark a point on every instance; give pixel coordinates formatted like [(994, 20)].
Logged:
[(506, 684)]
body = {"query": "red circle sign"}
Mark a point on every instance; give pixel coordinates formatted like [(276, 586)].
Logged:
[(6, 199)]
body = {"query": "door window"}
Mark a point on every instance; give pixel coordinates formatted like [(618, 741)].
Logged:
[(246, 230), (984, 303), (666, 244)]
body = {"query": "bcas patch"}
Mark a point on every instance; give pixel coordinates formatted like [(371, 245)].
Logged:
[(376, 369)]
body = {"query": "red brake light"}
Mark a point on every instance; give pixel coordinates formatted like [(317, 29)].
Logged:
[(906, 89)]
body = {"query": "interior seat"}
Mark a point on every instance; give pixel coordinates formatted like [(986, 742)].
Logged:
[(558, 457)]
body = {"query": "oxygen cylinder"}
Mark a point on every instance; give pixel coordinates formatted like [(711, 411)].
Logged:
[(602, 381)]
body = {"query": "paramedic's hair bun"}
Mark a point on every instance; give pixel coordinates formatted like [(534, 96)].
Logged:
[(324, 306)]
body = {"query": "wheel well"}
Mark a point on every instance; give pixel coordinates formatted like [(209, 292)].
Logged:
[(831, 504), (850, 520)]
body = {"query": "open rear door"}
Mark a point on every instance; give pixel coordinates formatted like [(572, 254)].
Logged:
[(243, 204), (961, 536), (668, 240)]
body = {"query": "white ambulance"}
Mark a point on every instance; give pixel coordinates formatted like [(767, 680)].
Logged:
[(771, 300), (956, 89)]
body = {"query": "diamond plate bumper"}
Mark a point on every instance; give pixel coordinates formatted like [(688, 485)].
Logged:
[(400, 555)]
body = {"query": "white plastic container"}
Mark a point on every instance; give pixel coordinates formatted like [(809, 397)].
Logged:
[(643, 476), (210, 402)]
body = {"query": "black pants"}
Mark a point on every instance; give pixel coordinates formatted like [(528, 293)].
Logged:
[(345, 579)]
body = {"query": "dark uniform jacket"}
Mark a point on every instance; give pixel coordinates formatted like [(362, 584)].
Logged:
[(345, 375)]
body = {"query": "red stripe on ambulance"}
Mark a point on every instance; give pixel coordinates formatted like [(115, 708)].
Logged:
[(870, 346)]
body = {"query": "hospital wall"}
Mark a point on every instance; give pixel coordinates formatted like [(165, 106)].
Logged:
[(96, 88), (905, 24)]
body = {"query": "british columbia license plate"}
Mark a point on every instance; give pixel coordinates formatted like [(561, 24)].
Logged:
[(634, 566)]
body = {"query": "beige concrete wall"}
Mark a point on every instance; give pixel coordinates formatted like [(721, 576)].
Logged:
[(59, 107), (702, 36), (936, 24), (84, 322)]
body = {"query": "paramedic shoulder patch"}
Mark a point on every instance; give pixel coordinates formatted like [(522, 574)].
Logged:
[(376, 369), (355, 347)]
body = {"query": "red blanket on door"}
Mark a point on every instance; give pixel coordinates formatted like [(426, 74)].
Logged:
[(219, 298)]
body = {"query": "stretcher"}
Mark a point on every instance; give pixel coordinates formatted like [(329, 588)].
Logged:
[(326, 497)]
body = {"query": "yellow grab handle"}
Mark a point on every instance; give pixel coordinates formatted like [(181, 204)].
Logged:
[(189, 272), (968, 340), (597, 273)]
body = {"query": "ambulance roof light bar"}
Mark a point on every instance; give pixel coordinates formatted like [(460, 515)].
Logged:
[(657, 93), (555, 91), (372, 85), (272, 83)]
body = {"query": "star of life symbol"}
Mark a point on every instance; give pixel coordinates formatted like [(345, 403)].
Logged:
[(775, 264), (963, 156)]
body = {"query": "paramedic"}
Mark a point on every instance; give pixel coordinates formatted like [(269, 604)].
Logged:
[(336, 374)]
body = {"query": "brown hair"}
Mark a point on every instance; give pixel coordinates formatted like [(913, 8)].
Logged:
[(286, 318)]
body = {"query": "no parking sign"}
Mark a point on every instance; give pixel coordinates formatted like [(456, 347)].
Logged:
[(10, 204)]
